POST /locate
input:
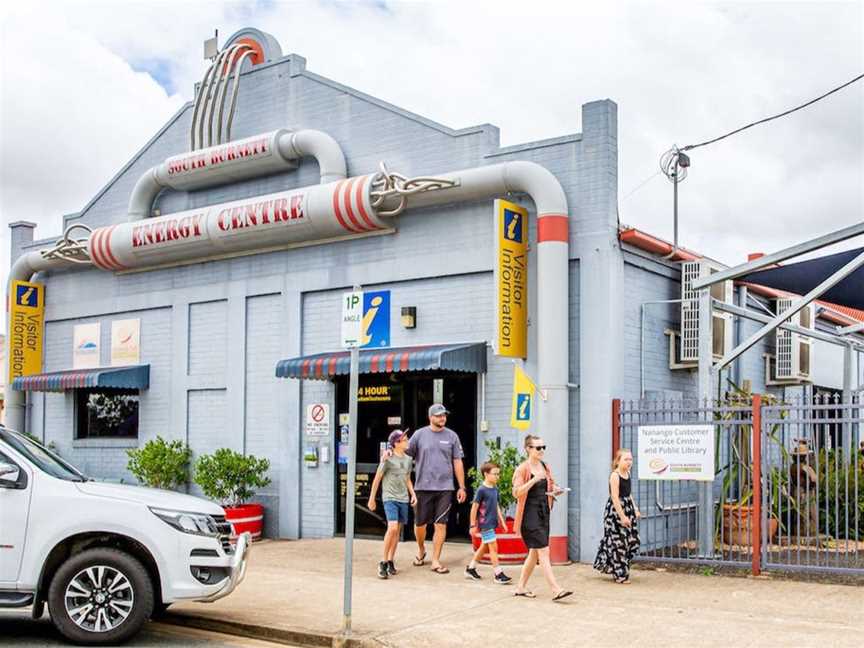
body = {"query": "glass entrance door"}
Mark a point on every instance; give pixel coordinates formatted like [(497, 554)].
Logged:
[(390, 401)]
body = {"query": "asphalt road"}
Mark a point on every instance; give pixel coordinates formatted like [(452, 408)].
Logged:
[(18, 629)]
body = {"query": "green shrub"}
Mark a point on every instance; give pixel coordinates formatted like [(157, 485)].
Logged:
[(507, 459), (160, 463), (229, 477), (841, 494)]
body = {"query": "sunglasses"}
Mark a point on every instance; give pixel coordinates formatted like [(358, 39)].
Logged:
[(543, 447)]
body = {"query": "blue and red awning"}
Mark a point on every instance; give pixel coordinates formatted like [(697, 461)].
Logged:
[(468, 357), (129, 377)]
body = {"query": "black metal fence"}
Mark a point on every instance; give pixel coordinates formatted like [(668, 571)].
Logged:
[(790, 498)]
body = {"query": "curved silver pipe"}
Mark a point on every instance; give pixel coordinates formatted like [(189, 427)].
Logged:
[(23, 269), (291, 146), (497, 179), (319, 145), (245, 54), (144, 194), (220, 101), (197, 109), (553, 299), (207, 92), (221, 81)]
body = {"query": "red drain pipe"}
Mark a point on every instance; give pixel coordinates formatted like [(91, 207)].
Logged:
[(616, 426)]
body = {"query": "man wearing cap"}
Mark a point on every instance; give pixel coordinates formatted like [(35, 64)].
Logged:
[(437, 454)]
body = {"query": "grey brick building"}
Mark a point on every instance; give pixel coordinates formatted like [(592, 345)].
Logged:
[(213, 331)]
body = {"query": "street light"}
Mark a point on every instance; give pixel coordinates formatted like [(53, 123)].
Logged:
[(674, 164)]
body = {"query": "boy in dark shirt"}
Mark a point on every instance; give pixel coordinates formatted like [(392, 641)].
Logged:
[(485, 516)]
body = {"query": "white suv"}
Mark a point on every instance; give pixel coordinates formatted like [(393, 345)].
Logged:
[(104, 557)]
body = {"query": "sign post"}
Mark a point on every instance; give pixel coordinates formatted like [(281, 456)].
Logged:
[(352, 316), (365, 323)]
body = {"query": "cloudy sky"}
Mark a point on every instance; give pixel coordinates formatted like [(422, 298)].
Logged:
[(83, 85)]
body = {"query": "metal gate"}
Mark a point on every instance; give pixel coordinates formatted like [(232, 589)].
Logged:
[(813, 500), (789, 497)]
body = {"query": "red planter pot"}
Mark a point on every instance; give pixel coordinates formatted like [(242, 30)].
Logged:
[(248, 517), (511, 548)]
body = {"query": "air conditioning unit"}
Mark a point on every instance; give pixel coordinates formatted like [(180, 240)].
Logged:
[(722, 322), (793, 352)]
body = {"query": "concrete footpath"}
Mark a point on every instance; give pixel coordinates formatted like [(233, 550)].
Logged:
[(293, 593)]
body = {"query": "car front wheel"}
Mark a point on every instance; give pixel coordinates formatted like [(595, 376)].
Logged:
[(100, 596)]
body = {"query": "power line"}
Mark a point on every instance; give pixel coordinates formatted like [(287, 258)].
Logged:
[(641, 184), (767, 119)]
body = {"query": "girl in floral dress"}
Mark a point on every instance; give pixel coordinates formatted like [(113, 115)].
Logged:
[(620, 530)]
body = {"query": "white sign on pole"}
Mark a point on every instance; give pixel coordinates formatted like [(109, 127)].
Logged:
[(668, 452), (352, 316), (318, 419)]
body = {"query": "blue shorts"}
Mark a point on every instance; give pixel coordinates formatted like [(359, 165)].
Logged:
[(396, 511), (487, 536)]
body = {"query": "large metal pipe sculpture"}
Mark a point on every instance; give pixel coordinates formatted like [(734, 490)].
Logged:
[(346, 208)]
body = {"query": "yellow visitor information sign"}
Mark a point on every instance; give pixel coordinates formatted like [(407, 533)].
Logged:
[(26, 329), (523, 400), (511, 280)]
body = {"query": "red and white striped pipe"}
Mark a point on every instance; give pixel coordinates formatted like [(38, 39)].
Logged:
[(311, 214)]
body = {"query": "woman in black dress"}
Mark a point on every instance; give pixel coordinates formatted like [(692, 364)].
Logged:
[(620, 529), (535, 490)]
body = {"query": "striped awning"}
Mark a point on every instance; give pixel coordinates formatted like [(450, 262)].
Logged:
[(129, 377), (469, 357)]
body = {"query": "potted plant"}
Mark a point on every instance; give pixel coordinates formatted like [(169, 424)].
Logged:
[(160, 463), (737, 516), (231, 478), (511, 548)]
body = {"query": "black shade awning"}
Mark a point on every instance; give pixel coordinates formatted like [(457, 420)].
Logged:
[(800, 278), (470, 357), (129, 377)]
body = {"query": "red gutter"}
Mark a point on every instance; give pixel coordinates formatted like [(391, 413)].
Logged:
[(654, 245)]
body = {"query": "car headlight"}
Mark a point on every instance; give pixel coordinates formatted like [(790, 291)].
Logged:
[(195, 523)]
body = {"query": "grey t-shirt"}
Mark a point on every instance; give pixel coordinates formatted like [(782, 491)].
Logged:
[(433, 454), (395, 471)]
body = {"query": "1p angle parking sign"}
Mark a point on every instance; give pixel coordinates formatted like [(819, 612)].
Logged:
[(366, 319)]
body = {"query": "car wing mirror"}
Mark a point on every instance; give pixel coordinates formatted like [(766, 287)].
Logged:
[(9, 475)]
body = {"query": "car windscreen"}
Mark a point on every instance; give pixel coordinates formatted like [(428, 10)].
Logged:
[(41, 457)]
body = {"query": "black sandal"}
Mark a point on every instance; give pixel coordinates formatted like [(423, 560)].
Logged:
[(525, 594), (419, 561), (562, 595)]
